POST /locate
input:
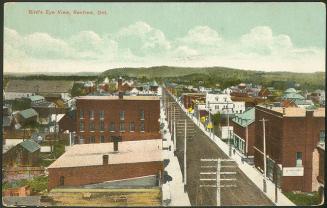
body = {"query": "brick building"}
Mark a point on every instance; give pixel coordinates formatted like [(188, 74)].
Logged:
[(100, 163), (292, 134), (244, 131), (131, 117), (189, 99)]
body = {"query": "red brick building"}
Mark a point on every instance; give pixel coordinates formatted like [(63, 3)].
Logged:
[(131, 117), (244, 132), (18, 191), (86, 164), (189, 99), (292, 135)]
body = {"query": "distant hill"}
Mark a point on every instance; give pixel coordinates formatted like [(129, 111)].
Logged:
[(222, 75)]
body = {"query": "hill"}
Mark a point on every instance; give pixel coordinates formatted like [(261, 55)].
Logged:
[(222, 75)]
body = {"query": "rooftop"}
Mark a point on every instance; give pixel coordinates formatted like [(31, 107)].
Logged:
[(39, 86), (245, 118), (117, 98), (129, 152), (36, 98), (28, 113), (296, 111), (30, 145)]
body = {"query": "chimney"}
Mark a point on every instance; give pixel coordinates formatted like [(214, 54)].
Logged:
[(120, 95), (284, 113), (115, 145), (309, 113), (120, 83), (105, 159)]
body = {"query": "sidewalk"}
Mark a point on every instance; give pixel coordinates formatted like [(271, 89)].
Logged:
[(252, 173), (173, 189)]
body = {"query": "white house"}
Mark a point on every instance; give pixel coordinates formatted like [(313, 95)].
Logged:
[(220, 102)]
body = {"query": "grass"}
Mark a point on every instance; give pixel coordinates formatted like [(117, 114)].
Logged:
[(303, 199)]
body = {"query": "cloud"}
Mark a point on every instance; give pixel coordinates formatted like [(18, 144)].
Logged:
[(201, 36), (140, 44), (142, 39)]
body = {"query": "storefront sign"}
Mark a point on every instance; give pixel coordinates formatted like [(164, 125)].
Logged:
[(293, 171)]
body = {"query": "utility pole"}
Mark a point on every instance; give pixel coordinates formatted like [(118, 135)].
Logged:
[(174, 131), (185, 144), (218, 179), (264, 155)]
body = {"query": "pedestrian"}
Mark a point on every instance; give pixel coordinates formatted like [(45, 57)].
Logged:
[(234, 151)]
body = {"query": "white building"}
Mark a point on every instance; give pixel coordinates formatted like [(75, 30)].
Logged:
[(220, 102)]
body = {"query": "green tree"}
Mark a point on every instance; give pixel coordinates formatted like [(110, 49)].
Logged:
[(216, 118)]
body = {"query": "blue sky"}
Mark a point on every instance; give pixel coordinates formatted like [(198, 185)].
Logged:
[(258, 36)]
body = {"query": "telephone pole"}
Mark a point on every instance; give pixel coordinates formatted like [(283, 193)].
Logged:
[(264, 155), (216, 170)]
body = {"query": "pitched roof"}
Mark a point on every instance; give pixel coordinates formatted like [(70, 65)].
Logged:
[(293, 96), (290, 90), (129, 152), (245, 118), (30, 145), (39, 86), (117, 98), (28, 113), (36, 98)]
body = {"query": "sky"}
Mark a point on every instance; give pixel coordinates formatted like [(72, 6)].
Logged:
[(256, 36)]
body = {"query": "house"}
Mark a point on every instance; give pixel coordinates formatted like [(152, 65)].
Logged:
[(27, 116), (35, 99), (14, 137), (189, 99), (292, 94), (220, 102), (26, 153), (132, 117), (291, 136), (68, 122), (106, 162), (154, 86), (17, 191), (244, 132), (47, 88), (264, 93)]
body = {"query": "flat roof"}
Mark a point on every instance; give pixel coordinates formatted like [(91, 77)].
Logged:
[(296, 111), (112, 97), (129, 152)]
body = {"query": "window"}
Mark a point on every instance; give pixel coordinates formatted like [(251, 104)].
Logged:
[(91, 126), (92, 139), (62, 181), (81, 114), (101, 115), (122, 115), (142, 126), (81, 139), (102, 139), (122, 126), (101, 125), (112, 127), (81, 125), (322, 136), (132, 126), (299, 159), (91, 114), (142, 114)]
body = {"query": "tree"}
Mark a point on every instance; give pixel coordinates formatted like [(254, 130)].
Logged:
[(216, 118)]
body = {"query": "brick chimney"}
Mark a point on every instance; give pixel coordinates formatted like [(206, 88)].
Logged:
[(120, 83), (115, 145), (120, 95), (284, 111), (105, 159)]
